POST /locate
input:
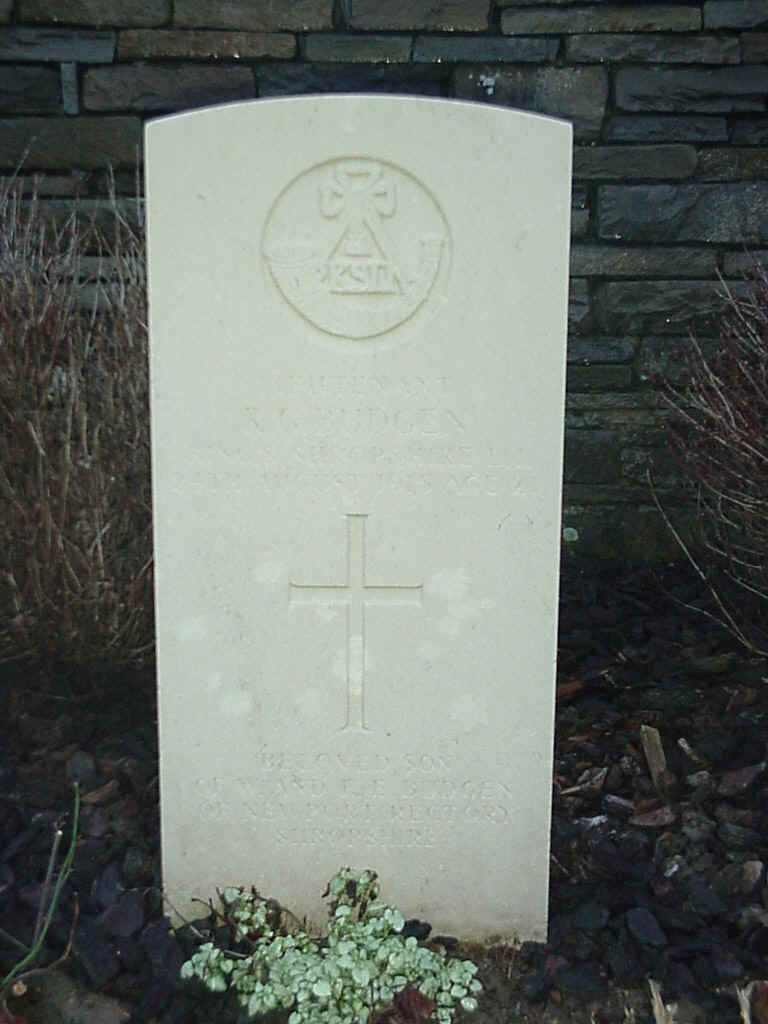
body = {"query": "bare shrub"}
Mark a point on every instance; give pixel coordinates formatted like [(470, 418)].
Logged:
[(75, 513), (721, 441)]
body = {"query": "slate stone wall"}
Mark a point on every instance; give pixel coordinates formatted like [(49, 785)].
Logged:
[(668, 102)]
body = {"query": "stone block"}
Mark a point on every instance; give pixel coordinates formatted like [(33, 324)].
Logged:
[(598, 18), (153, 88), (592, 457), (638, 461), (598, 378), (735, 14), (600, 351), (579, 308), (631, 532), (579, 223), (49, 184), (612, 261), (727, 213), (433, 15), (577, 94), (100, 212), (358, 49), (154, 44), (753, 133), (485, 49), (733, 164), (714, 91), (664, 359), (70, 88), (622, 163), (56, 44), (96, 13), (254, 15), (603, 411), (29, 90), (653, 49), (658, 307), (60, 143), (293, 79), (738, 264), (665, 128), (364, 506), (754, 47)]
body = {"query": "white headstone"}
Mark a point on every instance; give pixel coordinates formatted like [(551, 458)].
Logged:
[(358, 309)]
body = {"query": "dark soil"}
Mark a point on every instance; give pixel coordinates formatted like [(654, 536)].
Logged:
[(662, 879)]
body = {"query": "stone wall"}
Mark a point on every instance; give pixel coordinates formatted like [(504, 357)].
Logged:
[(668, 102)]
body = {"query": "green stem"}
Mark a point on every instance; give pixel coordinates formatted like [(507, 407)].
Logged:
[(65, 868)]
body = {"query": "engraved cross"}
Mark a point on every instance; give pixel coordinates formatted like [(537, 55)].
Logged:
[(356, 594)]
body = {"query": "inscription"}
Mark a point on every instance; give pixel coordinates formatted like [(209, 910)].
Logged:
[(356, 594), (367, 435), (414, 801), (356, 246)]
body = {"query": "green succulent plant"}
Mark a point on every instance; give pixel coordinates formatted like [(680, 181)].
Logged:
[(359, 968)]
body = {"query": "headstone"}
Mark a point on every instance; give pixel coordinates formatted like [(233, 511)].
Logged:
[(358, 309)]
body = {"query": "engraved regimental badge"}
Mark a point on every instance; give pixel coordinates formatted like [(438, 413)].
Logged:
[(356, 246)]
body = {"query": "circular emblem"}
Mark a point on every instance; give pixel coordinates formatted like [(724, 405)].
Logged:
[(356, 246)]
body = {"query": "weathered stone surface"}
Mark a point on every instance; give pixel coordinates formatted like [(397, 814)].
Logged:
[(657, 49), (358, 49), (592, 457), (712, 91), (598, 378), (70, 88), (616, 409), (658, 307), (485, 49), (149, 44), (578, 94), (664, 358), (736, 264), (598, 351), (610, 261), (638, 18), (621, 163), (293, 79), (579, 309), (727, 213), (751, 132), (754, 47), (579, 223), (149, 87), (732, 164), (631, 532), (100, 212), (254, 15), (666, 129), (49, 184), (97, 12), (437, 15), (56, 44), (203, 266), (61, 143), (29, 90), (735, 14)]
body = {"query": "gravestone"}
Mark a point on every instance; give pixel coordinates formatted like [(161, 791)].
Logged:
[(357, 316)]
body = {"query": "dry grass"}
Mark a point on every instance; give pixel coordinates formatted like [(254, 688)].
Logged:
[(75, 512), (722, 446)]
